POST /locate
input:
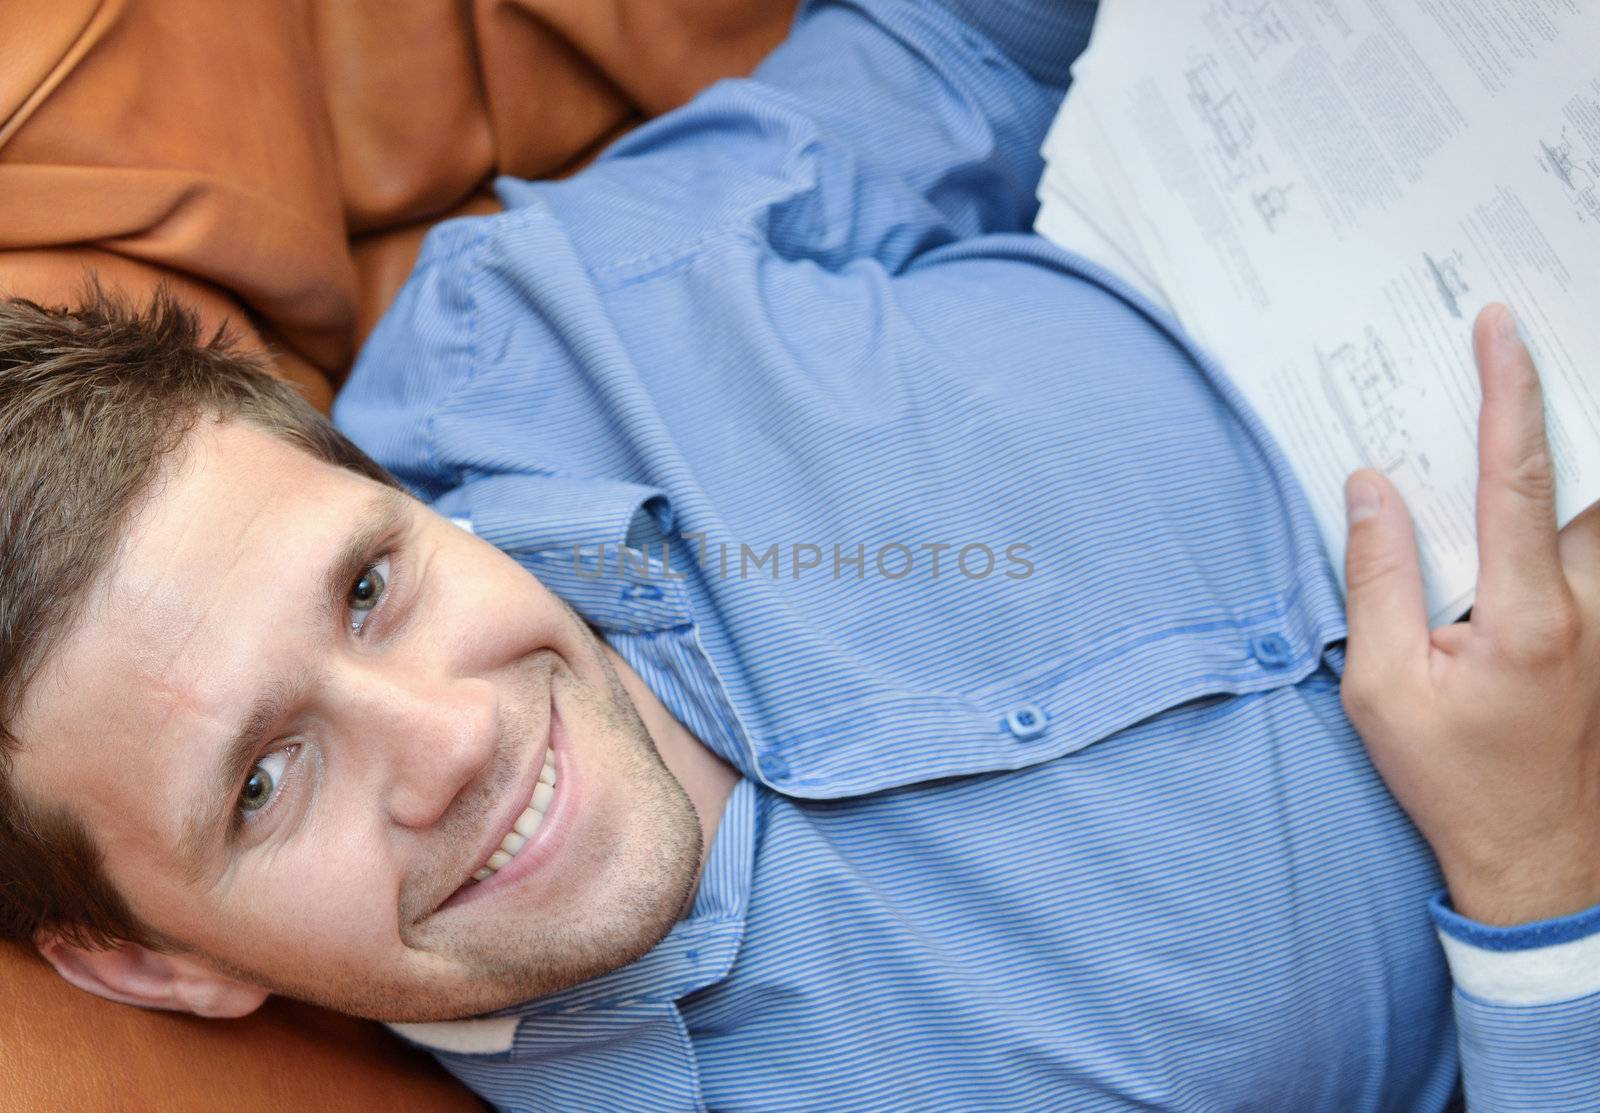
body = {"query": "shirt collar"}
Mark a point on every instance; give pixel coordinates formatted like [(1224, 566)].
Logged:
[(602, 545)]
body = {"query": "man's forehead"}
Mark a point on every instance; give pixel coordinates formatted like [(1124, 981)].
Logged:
[(229, 530), (228, 492), (232, 504)]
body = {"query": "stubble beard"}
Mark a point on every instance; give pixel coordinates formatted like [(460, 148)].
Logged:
[(649, 885), (645, 892)]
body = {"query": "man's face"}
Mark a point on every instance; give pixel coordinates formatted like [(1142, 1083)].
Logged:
[(393, 711)]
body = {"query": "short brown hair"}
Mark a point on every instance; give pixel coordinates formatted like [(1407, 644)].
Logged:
[(92, 401)]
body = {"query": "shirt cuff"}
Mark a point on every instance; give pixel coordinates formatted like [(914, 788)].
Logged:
[(1536, 963)]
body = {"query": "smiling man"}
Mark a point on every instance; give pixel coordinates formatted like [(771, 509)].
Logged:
[(467, 698), (842, 652)]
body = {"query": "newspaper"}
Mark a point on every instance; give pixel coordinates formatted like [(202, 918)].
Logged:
[(1324, 193)]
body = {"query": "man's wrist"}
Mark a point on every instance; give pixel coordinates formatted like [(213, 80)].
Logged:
[(1525, 895)]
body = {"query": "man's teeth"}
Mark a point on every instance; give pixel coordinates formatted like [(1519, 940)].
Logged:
[(527, 823)]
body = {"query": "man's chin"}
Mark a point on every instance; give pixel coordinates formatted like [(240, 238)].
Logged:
[(662, 892), (502, 995)]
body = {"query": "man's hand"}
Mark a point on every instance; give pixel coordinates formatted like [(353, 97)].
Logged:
[(1488, 731)]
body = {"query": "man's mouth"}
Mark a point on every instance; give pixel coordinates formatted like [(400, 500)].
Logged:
[(534, 831), (526, 824)]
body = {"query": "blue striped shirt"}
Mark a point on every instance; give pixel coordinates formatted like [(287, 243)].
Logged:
[(1005, 606)]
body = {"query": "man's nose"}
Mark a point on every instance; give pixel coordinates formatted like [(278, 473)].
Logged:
[(431, 736)]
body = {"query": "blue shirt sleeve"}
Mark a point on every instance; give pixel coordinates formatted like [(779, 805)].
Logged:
[(1527, 1008), (880, 129), (785, 167)]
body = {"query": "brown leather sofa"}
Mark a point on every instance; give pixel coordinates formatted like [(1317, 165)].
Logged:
[(277, 162)]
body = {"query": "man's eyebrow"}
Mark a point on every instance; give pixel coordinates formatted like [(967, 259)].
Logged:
[(210, 816)]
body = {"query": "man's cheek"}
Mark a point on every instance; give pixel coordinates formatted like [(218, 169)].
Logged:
[(311, 937), (334, 898)]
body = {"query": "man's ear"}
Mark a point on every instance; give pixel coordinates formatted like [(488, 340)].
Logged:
[(136, 975)]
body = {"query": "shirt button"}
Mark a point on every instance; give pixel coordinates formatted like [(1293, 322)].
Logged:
[(1271, 651), (1027, 721)]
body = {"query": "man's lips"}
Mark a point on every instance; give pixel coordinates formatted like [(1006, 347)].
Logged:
[(516, 803)]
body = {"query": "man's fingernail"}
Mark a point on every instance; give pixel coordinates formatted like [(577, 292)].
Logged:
[(1507, 326), (1361, 500)]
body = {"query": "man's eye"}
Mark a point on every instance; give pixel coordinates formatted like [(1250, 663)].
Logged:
[(263, 780), (367, 592)]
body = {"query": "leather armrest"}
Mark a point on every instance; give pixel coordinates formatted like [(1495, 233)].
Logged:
[(64, 1049)]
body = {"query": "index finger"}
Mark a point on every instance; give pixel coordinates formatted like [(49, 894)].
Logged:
[(1519, 562)]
